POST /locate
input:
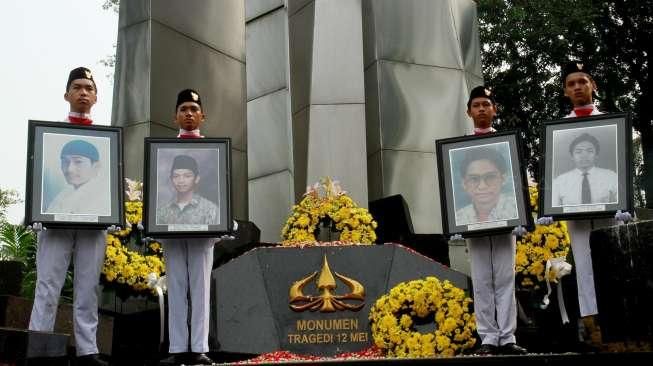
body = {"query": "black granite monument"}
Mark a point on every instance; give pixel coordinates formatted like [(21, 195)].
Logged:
[(311, 301), (622, 259)]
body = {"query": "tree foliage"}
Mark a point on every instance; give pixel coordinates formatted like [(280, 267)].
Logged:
[(524, 43), (18, 243), (111, 5), (8, 197)]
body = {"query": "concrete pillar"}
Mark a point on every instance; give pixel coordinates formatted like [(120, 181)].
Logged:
[(327, 92), (270, 168), (421, 59), (168, 45)]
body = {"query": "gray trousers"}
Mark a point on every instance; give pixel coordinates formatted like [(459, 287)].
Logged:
[(55, 248), (579, 231), (188, 269), (493, 278)]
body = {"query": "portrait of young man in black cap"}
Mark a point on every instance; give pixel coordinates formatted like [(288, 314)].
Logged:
[(87, 189), (188, 207)]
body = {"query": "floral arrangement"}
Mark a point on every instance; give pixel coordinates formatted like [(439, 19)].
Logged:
[(537, 247), (323, 202), (394, 315), (127, 270)]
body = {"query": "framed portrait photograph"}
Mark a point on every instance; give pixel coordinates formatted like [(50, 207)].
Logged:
[(587, 167), (74, 175), (483, 189), (187, 187)]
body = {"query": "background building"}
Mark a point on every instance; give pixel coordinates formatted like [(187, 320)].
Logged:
[(353, 89)]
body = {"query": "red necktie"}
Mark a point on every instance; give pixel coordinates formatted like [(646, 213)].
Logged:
[(80, 120), (583, 112)]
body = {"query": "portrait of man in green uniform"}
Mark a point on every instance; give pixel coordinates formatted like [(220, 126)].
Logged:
[(187, 207)]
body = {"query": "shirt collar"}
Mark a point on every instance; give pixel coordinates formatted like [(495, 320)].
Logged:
[(193, 202), (79, 118), (483, 131), (185, 134), (589, 172), (587, 106)]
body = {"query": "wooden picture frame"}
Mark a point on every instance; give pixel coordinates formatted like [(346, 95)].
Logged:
[(187, 187), (601, 147), (74, 175), (483, 188)]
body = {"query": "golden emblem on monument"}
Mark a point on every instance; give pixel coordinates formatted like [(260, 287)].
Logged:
[(327, 301)]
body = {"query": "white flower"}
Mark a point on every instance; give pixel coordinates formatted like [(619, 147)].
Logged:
[(134, 190), (154, 281)]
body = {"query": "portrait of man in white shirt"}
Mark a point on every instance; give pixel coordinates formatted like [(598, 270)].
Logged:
[(86, 190), (586, 183)]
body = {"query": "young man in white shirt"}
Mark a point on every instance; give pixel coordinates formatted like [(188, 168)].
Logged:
[(188, 264), (579, 87), (86, 247), (493, 259)]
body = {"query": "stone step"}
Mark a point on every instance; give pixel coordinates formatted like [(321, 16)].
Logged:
[(17, 346)]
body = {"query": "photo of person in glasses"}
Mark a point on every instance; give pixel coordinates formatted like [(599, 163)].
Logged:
[(487, 185)]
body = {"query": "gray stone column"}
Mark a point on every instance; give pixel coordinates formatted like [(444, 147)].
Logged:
[(168, 45), (305, 103), (270, 169), (327, 92), (421, 59)]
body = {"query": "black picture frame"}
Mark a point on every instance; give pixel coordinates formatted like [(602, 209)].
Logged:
[(90, 195), (561, 189), (211, 192), (459, 196)]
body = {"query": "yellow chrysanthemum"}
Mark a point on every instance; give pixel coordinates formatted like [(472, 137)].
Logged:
[(536, 247), (326, 200), (128, 269), (392, 319)]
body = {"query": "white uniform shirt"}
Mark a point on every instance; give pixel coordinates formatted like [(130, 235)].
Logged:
[(506, 209), (567, 187), (91, 198), (603, 182)]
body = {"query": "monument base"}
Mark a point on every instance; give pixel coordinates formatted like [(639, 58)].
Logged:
[(622, 259), (19, 346)]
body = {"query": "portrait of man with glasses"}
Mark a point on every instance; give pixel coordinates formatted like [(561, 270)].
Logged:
[(488, 193)]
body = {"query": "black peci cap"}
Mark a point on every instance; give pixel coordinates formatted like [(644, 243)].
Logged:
[(481, 92), (80, 73), (575, 66), (188, 95), (184, 162)]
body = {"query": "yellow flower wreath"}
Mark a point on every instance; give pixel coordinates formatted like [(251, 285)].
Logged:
[(393, 316), (128, 270), (536, 247), (326, 200)]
